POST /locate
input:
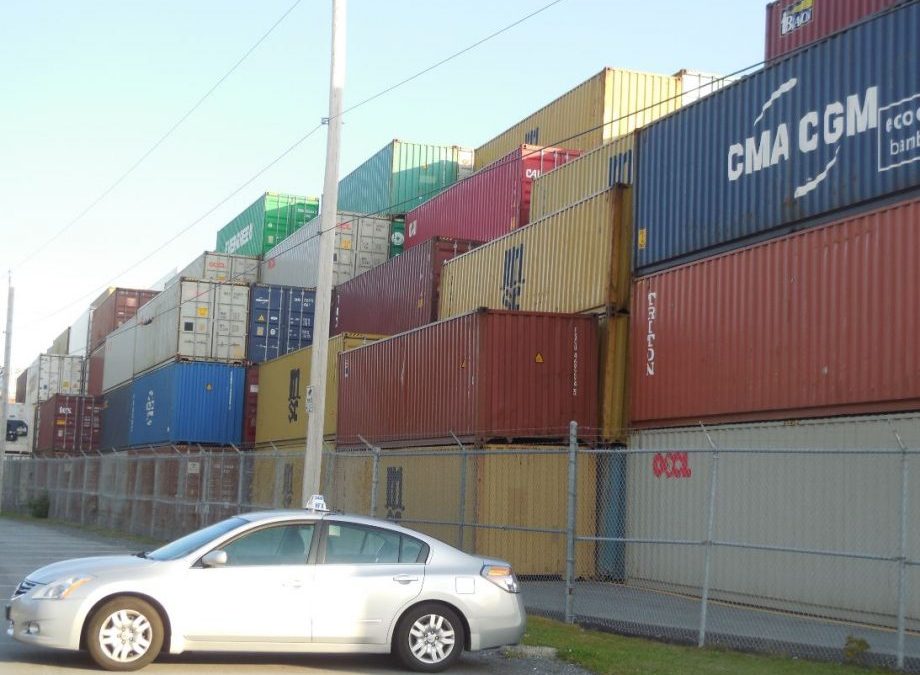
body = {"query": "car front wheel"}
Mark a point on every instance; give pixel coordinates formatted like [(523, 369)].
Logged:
[(429, 638), (124, 634)]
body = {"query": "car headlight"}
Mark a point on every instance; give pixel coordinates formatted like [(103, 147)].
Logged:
[(61, 588), (502, 576)]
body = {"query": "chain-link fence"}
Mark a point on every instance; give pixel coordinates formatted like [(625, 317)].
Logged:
[(782, 540)]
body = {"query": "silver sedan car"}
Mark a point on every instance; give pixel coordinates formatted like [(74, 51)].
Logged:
[(282, 581)]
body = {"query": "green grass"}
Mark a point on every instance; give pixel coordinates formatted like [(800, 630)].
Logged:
[(608, 654)]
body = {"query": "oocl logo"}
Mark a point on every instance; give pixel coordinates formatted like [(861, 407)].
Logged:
[(671, 465)]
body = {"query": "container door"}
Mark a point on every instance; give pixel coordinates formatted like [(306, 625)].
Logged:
[(195, 317)]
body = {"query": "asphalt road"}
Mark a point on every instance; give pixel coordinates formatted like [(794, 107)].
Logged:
[(25, 546)]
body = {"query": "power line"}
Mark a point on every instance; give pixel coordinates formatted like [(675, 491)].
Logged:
[(105, 193)]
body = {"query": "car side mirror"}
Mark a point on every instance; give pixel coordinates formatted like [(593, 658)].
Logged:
[(216, 558)]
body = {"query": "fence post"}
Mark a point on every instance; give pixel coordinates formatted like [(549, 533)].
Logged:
[(463, 460), (902, 550), (570, 525), (710, 519)]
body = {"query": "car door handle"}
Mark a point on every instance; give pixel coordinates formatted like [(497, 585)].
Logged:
[(405, 578)]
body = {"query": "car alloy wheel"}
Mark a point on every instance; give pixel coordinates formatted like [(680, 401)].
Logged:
[(429, 638), (125, 634)]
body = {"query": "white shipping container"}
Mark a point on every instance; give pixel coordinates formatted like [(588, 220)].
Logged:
[(361, 243), (79, 334), (847, 500), (222, 267), (25, 412), (694, 85), (192, 319), (119, 355), (52, 374)]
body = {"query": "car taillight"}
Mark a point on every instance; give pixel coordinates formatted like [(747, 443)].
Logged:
[(502, 576)]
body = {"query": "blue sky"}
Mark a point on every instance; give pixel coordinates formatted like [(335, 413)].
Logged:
[(87, 87)]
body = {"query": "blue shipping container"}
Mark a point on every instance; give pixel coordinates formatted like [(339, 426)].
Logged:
[(828, 128), (188, 402), (116, 418), (281, 320)]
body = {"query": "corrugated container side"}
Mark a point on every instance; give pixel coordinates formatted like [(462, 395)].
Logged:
[(117, 413), (78, 344), (94, 372), (584, 177), (112, 312), (69, 424), (613, 333), (265, 223), (770, 500), (189, 402), (280, 320), (283, 383), (250, 405), (576, 260), (806, 325), (221, 267), (612, 103), (21, 382), (489, 203), (397, 296), (61, 344), (52, 374), (792, 23), (694, 85), (484, 375), (119, 351), (817, 132), (200, 320)]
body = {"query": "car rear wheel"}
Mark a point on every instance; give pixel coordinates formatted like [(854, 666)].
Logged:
[(429, 638), (125, 634)]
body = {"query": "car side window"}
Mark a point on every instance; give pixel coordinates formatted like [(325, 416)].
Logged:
[(280, 545), (357, 544), (412, 550)]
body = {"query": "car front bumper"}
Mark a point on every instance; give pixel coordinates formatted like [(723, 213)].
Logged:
[(45, 623)]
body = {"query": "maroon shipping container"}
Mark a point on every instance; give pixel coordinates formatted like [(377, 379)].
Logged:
[(69, 424), (482, 376), (120, 305), (21, 382), (250, 405), (94, 367), (488, 204), (397, 296), (813, 324), (795, 23)]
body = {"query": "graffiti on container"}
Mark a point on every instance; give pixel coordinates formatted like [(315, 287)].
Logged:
[(513, 277), (652, 315), (293, 395), (532, 137), (394, 504), (150, 408), (671, 465)]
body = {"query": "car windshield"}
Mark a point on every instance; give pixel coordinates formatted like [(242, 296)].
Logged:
[(184, 545)]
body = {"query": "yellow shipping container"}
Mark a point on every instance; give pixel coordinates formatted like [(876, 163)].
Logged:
[(613, 380), (591, 174), (276, 476), (576, 260), (281, 415), (608, 105)]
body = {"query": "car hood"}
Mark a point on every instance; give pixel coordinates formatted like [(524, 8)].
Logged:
[(89, 566)]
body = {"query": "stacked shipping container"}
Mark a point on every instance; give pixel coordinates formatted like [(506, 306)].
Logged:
[(280, 320), (267, 222), (68, 425)]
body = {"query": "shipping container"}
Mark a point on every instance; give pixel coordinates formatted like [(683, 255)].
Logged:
[(220, 267), (488, 204), (181, 402), (192, 320), (576, 260), (250, 405), (94, 372), (477, 377), (806, 325), (397, 236), (78, 343), (119, 305), (280, 320), (118, 355), (613, 377), (829, 127), (694, 84), (361, 243), (265, 223), (52, 374), (397, 296), (61, 344), (283, 382), (21, 384), (24, 413), (117, 410), (401, 176), (587, 176), (795, 23), (809, 499), (69, 425), (612, 103)]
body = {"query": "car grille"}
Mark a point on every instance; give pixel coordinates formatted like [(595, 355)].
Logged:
[(24, 588)]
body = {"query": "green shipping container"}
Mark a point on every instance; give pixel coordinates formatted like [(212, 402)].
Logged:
[(397, 236), (401, 176), (268, 221)]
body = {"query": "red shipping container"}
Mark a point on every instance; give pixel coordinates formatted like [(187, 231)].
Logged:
[(813, 324), (486, 375), (250, 405), (94, 366), (488, 204), (119, 306), (795, 23), (69, 425), (397, 296)]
